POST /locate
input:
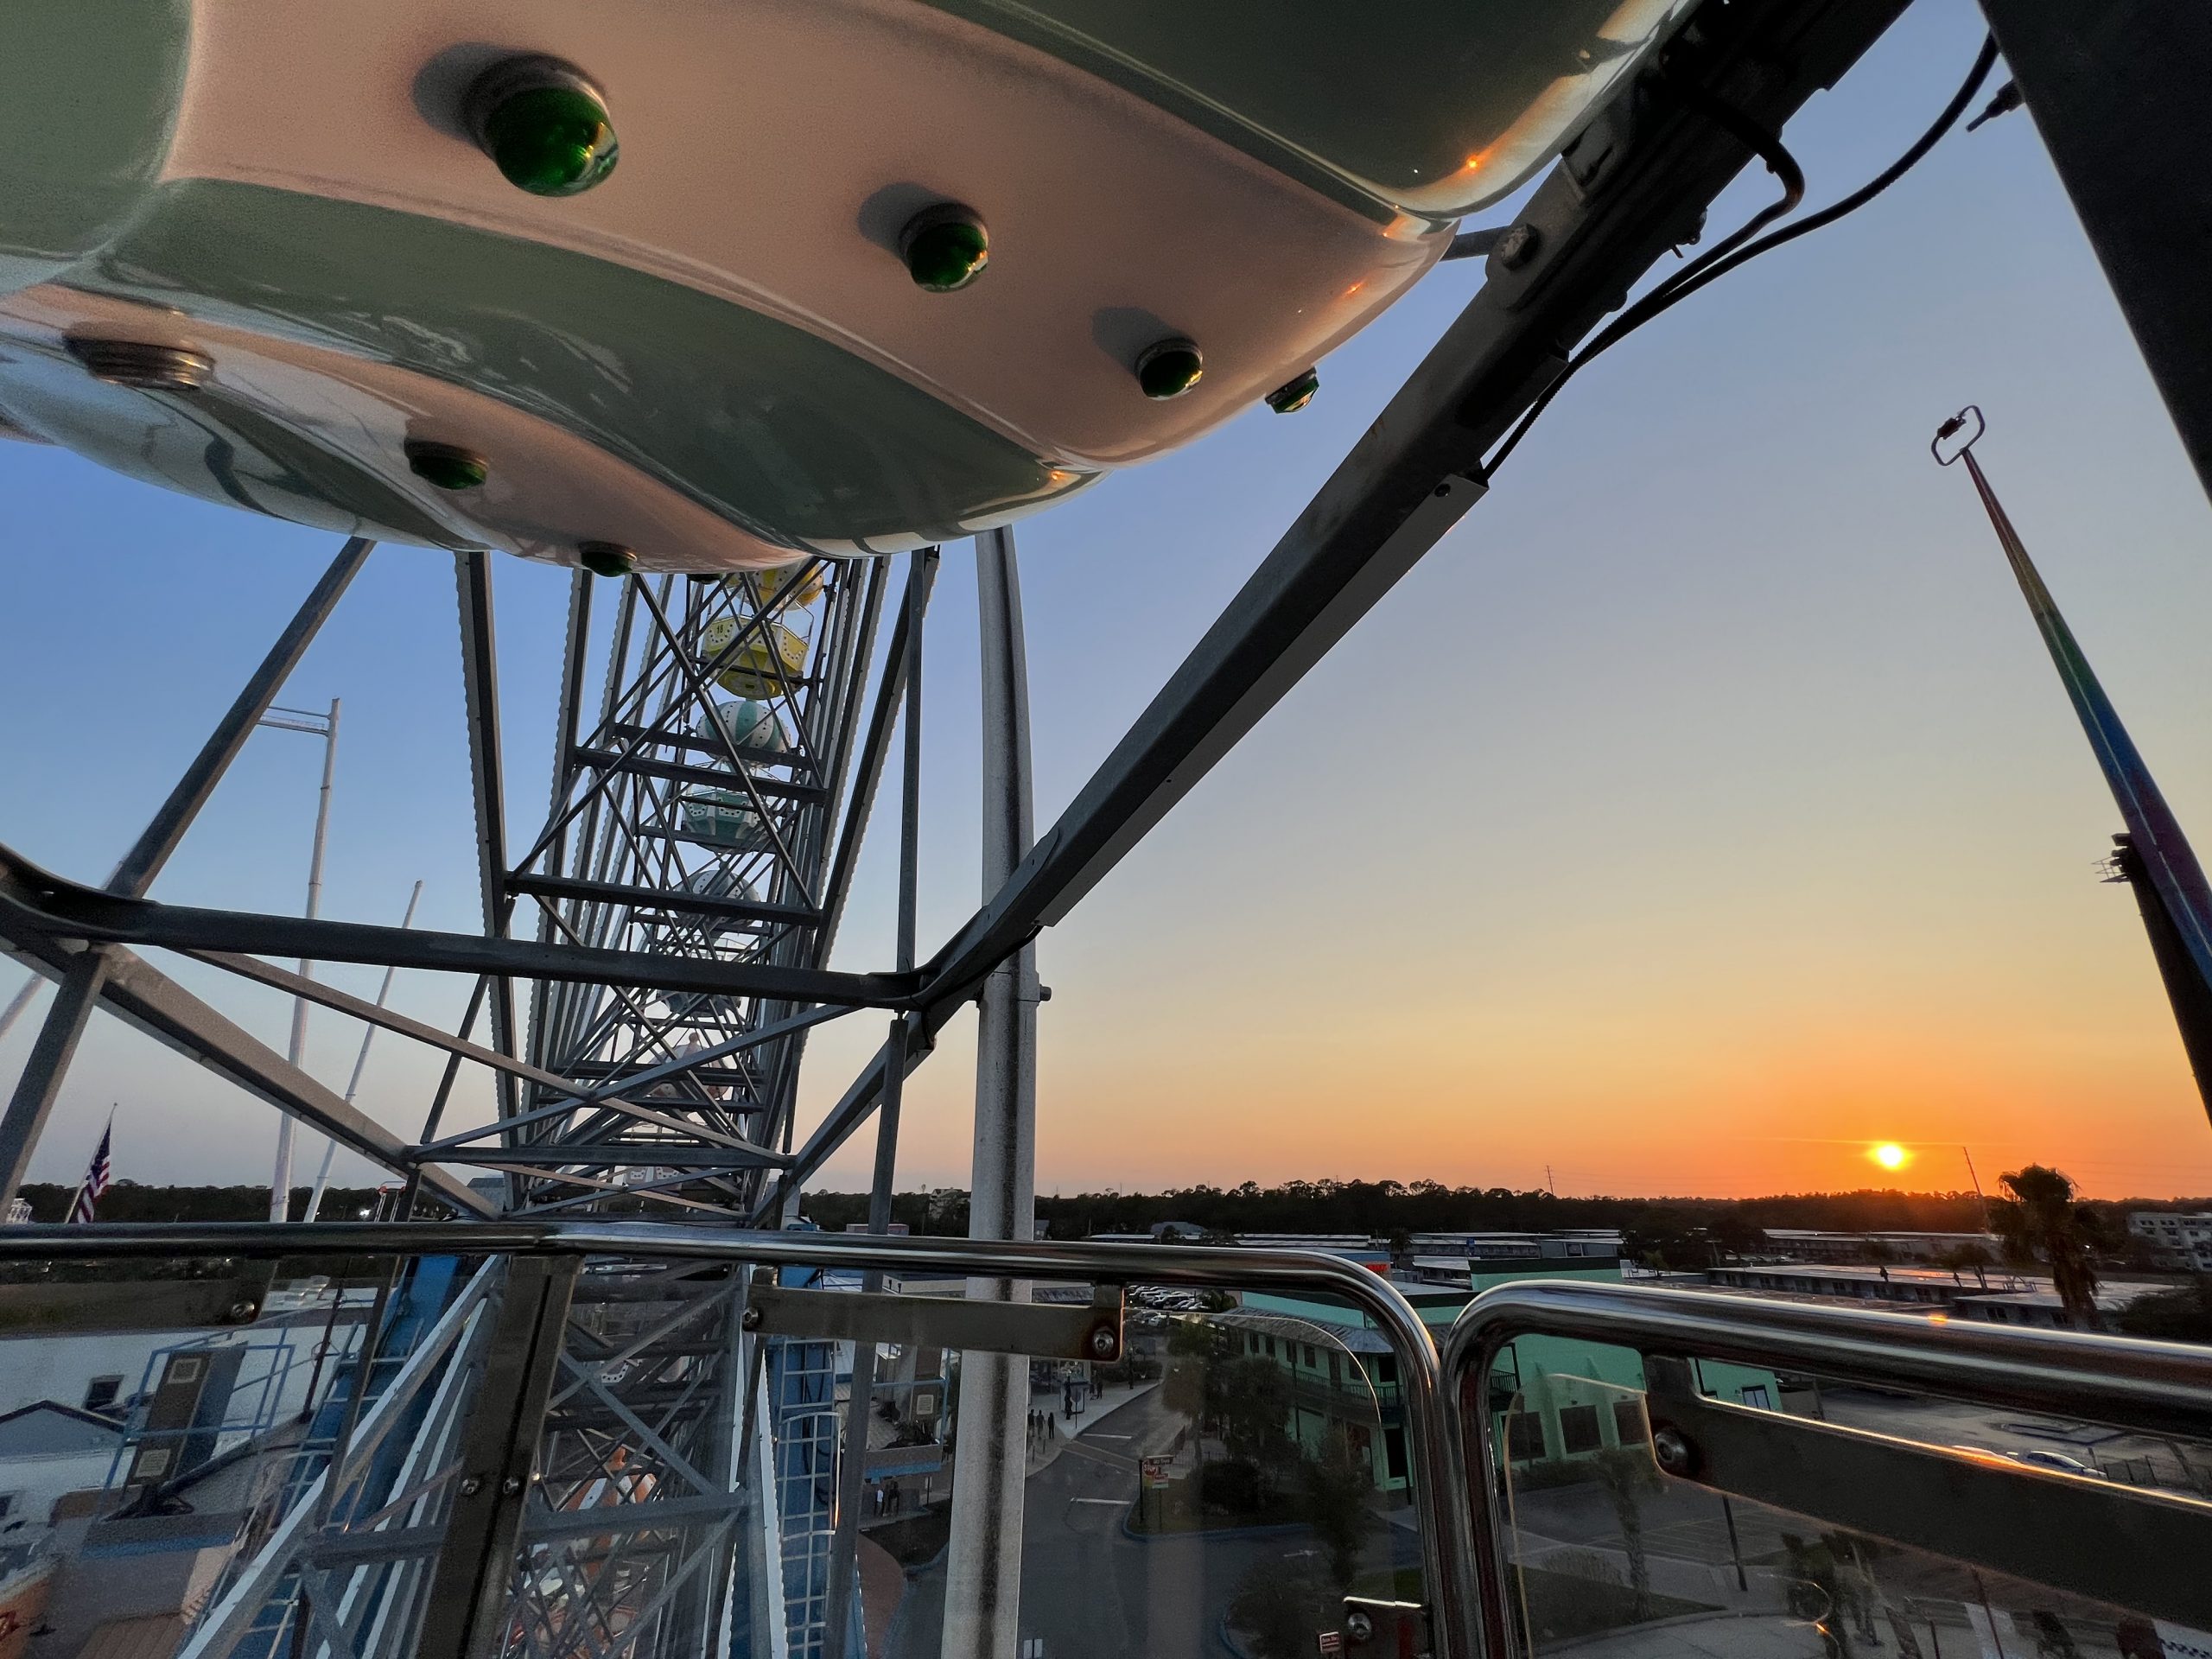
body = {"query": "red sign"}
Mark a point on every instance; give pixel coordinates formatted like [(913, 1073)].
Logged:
[(1330, 1640)]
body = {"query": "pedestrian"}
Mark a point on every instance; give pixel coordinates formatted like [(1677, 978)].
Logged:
[(1052, 1430), (894, 1484)]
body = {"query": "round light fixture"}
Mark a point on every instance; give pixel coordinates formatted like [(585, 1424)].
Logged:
[(543, 124), (1169, 368), (446, 466), (605, 558), (1294, 393), (945, 247)]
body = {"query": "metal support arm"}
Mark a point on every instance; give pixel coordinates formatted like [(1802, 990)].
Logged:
[(2108, 1543)]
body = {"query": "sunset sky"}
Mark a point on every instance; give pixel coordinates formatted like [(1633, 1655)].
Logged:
[(1703, 812)]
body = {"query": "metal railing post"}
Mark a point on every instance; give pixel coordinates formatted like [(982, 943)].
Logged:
[(467, 1608)]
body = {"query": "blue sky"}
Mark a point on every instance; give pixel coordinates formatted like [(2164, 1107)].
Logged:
[(1701, 808)]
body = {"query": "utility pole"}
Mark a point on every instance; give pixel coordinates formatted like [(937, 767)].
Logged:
[(22, 1000), (326, 728), (1976, 1179), (360, 1064)]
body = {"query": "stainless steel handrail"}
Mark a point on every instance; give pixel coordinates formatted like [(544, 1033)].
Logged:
[(1191, 1266), (2156, 1387)]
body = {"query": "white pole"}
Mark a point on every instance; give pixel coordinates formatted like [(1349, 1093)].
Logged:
[(983, 1586), (360, 1061), (22, 1000), (280, 1182)]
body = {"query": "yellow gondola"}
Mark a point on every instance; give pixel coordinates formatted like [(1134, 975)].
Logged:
[(755, 669)]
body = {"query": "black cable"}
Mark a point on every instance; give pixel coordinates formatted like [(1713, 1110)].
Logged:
[(1734, 252), (1768, 147)]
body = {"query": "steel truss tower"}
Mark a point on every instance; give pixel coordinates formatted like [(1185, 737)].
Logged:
[(651, 961)]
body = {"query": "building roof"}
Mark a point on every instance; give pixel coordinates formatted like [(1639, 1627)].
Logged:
[(47, 1428), (2110, 1297), (1359, 1338)]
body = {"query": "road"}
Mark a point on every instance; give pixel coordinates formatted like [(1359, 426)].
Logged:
[(1089, 1590)]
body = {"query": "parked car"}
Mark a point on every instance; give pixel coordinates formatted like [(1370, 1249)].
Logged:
[(2057, 1462)]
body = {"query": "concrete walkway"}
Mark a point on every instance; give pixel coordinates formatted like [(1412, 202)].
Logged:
[(1100, 1407)]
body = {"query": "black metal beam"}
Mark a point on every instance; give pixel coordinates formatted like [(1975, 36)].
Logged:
[(35, 900), (1635, 184), (142, 996), (2117, 90), (673, 900), (611, 1154), (480, 678)]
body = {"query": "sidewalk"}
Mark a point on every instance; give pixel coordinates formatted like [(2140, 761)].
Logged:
[(1101, 1406)]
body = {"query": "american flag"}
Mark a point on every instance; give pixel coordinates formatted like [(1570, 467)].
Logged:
[(96, 1177)]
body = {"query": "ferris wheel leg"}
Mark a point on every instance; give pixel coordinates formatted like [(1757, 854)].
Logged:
[(984, 1570)]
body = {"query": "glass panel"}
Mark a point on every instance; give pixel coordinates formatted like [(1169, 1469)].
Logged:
[(167, 1435), (309, 1460), (1610, 1557), (630, 1530), (1232, 1477)]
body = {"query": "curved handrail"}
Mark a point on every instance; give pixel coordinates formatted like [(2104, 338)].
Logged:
[(2157, 1387), (1192, 1266)]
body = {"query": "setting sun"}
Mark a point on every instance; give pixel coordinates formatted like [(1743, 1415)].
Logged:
[(1890, 1155)]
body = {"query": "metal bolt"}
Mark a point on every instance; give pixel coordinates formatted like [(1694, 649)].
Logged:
[(1359, 1629), (1104, 1344), (510, 1486), (470, 1485), (137, 364), (1517, 247), (749, 1320), (1671, 1448)]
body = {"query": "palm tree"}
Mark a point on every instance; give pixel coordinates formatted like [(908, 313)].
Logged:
[(2042, 1220), (1628, 1476)]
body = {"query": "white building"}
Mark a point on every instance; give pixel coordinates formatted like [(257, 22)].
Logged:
[(47, 1450), (2184, 1240)]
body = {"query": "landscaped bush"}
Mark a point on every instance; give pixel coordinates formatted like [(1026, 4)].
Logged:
[(1233, 1485)]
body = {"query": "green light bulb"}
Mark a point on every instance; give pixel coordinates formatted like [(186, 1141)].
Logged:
[(445, 465), (946, 248), (551, 140), (1294, 393), (605, 558), (1169, 368)]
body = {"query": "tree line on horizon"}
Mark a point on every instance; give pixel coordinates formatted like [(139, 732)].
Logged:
[(1686, 1230), (138, 1201)]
